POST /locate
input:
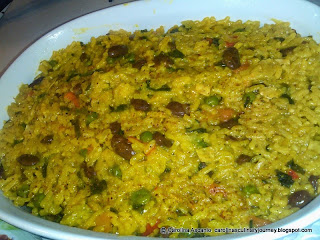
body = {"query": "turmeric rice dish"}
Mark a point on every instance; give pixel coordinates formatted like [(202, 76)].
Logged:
[(211, 124)]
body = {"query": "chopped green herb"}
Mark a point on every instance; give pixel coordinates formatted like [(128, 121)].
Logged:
[(44, 167), (72, 75), (174, 30), (198, 130), (176, 54), (17, 141), (220, 64), (119, 108), (286, 51), (202, 144), (287, 96), (91, 117), (23, 125), (284, 179), (98, 186), (130, 57), (248, 98), (202, 165), (240, 30), (116, 171), (111, 60), (83, 152), (251, 223), (281, 39), (295, 167), (54, 218), (76, 125), (181, 212), (53, 63), (88, 63), (215, 41), (114, 210), (42, 95), (64, 108), (165, 87)]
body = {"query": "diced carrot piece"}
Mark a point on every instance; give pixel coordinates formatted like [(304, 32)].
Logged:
[(242, 67), (30, 93), (133, 139), (293, 174), (230, 44), (153, 148), (73, 98), (215, 188), (150, 229), (90, 148), (105, 221), (225, 114)]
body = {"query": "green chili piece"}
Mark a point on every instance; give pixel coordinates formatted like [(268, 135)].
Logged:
[(140, 198), (23, 191), (37, 199), (250, 189)]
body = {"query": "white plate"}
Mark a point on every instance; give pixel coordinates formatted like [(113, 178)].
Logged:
[(304, 17)]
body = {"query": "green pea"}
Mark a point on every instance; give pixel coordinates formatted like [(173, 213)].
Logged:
[(146, 136), (23, 191), (37, 199), (140, 198), (212, 100), (250, 189), (116, 171), (248, 98)]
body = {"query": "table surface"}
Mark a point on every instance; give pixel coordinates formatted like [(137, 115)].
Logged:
[(27, 20)]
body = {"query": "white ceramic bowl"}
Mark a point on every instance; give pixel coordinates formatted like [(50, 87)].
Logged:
[(304, 17)]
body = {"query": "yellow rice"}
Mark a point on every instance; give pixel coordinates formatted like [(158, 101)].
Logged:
[(196, 182)]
